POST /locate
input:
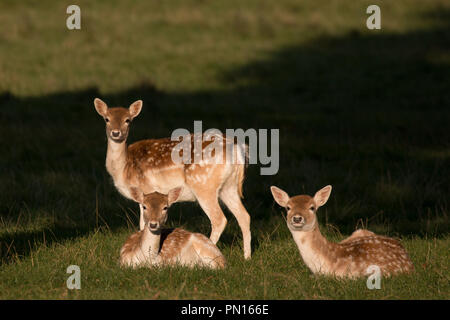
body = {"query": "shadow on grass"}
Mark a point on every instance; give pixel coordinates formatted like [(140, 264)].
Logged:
[(367, 113), (20, 243)]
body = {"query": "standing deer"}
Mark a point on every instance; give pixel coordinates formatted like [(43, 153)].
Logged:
[(349, 258), (148, 166), (157, 246)]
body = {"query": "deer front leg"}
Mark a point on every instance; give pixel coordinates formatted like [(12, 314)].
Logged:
[(141, 217), (154, 258)]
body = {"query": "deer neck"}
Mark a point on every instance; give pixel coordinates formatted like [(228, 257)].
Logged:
[(150, 244), (116, 158), (315, 249)]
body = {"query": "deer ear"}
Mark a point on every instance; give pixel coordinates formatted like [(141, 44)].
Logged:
[(174, 194), (137, 195), (135, 108), (101, 107), (321, 196), (280, 196)]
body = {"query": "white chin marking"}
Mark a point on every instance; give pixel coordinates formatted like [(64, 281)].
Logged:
[(294, 227)]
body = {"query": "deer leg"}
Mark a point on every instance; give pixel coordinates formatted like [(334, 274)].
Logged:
[(230, 196), (207, 253), (141, 217), (358, 234), (210, 204)]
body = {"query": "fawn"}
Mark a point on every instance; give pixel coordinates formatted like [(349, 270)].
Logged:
[(349, 258), (148, 166), (155, 245)]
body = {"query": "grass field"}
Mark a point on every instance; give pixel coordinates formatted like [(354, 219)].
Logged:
[(365, 111)]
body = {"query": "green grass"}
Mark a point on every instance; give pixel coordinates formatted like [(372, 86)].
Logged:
[(276, 271), (365, 111)]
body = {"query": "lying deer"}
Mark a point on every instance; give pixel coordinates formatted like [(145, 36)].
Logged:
[(157, 246), (148, 166), (349, 258)]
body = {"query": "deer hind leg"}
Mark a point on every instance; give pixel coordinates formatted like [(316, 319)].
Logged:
[(358, 234), (230, 196), (210, 205), (207, 253), (205, 182), (209, 202)]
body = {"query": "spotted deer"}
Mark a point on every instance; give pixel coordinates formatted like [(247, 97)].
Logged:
[(155, 245), (148, 166), (349, 258)]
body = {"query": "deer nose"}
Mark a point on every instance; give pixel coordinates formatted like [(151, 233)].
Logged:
[(297, 219), (115, 133), (153, 225)]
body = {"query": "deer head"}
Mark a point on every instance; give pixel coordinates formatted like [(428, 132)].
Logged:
[(155, 206), (301, 210), (117, 119)]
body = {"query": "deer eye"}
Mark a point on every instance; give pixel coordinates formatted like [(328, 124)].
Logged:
[(312, 208), (127, 121), (106, 119), (288, 208), (165, 208), (145, 207)]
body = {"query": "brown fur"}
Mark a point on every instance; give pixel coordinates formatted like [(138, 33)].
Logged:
[(349, 258), (173, 245), (148, 166), (130, 246), (357, 234)]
